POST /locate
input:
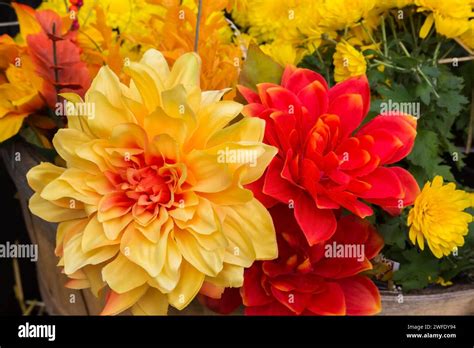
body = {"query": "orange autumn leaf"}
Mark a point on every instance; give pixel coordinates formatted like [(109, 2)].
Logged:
[(26, 18), (56, 58)]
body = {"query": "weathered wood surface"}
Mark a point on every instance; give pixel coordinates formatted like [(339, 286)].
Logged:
[(57, 297)]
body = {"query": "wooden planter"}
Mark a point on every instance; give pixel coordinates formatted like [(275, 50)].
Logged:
[(455, 300)]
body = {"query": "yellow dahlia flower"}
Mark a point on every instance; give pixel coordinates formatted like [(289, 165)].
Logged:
[(451, 18), (348, 62), (151, 206), (438, 217)]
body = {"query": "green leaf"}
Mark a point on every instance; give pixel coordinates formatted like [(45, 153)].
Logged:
[(423, 90), (393, 232), (426, 149), (259, 68), (417, 270), (431, 71), (452, 101), (397, 93)]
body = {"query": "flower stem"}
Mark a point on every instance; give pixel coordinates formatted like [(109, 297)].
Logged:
[(436, 52), (371, 39), (427, 81), (198, 24), (384, 37), (413, 31), (390, 65)]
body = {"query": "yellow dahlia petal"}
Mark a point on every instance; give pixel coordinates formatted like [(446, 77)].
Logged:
[(38, 177), (188, 286), (153, 302), (150, 256), (106, 114), (66, 141), (208, 262), (258, 226), (123, 275), (210, 175), (158, 122), (75, 257), (213, 118), (116, 303), (53, 212), (167, 147), (94, 236), (185, 71), (94, 275), (169, 276), (210, 97), (144, 78), (231, 276), (247, 129)]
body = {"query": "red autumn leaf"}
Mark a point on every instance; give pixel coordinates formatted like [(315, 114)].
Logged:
[(57, 58)]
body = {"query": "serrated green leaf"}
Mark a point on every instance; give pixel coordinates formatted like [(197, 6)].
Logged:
[(423, 90), (426, 150), (393, 232)]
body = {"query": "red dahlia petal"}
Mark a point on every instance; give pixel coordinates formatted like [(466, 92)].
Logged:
[(329, 302), (252, 292), (300, 78), (386, 145), (228, 302), (350, 202), (293, 300), (275, 185), (350, 109), (410, 188), (314, 97), (402, 127), (317, 224), (257, 189), (361, 295), (384, 184), (249, 94), (356, 85)]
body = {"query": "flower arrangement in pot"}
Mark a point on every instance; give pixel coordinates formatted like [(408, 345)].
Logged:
[(262, 158)]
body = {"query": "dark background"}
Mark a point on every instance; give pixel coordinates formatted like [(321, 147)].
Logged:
[(12, 227)]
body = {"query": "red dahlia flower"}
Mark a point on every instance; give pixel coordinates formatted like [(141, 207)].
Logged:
[(314, 280), (324, 162)]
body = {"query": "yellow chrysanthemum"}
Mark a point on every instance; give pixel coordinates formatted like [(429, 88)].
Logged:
[(283, 19), (338, 14), (468, 37), (151, 207), (283, 52), (451, 18), (348, 62), (438, 217)]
